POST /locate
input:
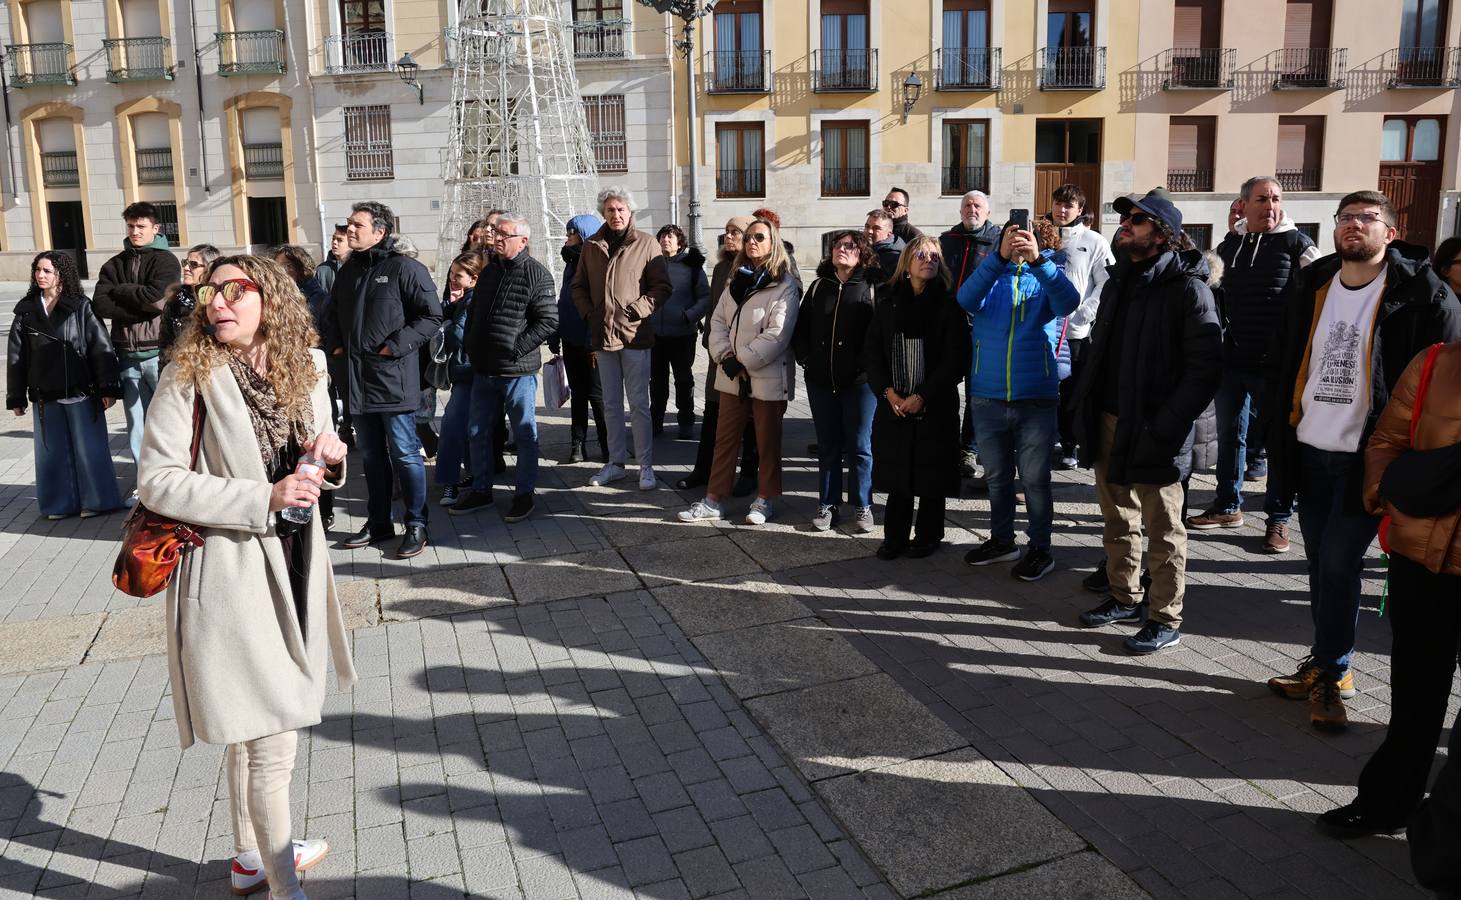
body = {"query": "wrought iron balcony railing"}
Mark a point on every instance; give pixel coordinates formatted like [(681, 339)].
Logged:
[(1189, 180), (1300, 179), (966, 69), (740, 183), (738, 71), (1072, 68), (959, 180), (251, 52), (263, 160), (154, 166), (1302, 68), (358, 51), (845, 70), (845, 182), (32, 64), (138, 59), (600, 39), (58, 169), (1199, 68), (1424, 67)]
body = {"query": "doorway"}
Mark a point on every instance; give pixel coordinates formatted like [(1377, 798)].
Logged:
[(268, 221), (1410, 174), (1068, 151), (68, 231)]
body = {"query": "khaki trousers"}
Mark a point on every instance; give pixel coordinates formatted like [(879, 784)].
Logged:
[(1130, 510), (734, 411), (258, 792)]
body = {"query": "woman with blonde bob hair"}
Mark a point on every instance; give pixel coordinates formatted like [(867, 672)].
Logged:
[(750, 342), (252, 614)]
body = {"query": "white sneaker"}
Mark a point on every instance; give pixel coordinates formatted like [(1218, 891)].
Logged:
[(609, 474), (825, 517), (760, 512), (647, 481), (700, 511), (863, 522), (248, 874)]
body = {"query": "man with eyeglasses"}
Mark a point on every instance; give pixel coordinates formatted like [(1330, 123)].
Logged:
[(1153, 366), (1355, 320), (1260, 256), (896, 205), (384, 308)]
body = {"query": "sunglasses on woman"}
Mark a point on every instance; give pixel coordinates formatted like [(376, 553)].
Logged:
[(233, 290), (928, 256), (1136, 218), (191, 264), (848, 246), (758, 237)]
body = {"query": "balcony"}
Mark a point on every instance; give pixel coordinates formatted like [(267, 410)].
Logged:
[(1199, 69), (966, 69), (263, 161), (738, 72), (1300, 179), (740, 183), (959, 180), (845, 182), (845, 70), (358, 51), (1308, 68), (154, 166), (33, 64), (600, 39), (138, 59), (1072, 68), (251, 52), (1187, 181), (1424, 67), (58, 169)]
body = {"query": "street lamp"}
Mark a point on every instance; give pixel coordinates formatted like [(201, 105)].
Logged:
[(912, 88), (407, 68), (688, 11)]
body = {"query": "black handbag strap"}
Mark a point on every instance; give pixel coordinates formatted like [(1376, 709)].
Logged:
[(198, 411)]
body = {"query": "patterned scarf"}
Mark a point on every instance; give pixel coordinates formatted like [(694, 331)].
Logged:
[(273, 426)]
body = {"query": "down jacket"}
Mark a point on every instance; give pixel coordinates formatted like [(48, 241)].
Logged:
[(831, 328), (1015, 308), (1259, 269), (617, 291), (513, 312), (1433, 542), (129, 291), (965, 250), (60, 356), (689, 299), (758, 331), (382, 299)]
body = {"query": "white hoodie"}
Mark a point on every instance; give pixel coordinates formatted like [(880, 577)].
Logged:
[(1087, 254)]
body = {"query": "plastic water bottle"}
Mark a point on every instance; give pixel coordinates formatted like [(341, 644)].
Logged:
[(310, 466)]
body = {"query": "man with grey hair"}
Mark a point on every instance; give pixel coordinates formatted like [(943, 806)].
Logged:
[(964, 247), (383, 309), (620, 280)]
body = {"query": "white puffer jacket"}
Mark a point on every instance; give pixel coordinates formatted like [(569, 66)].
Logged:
[(1087, 254), (760, 332)]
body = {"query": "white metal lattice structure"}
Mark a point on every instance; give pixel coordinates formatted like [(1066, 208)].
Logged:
[(518, 140)]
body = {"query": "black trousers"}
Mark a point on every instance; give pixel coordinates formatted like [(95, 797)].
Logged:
[(1065, 417), (584, 391), (672, 355), (1424, 610), (898, 521), (1435, 829)]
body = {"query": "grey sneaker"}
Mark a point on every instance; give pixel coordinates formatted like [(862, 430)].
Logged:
[(700, 511), (760, 512), (825, 518), (607, 475), (863, 523), (647, 479)]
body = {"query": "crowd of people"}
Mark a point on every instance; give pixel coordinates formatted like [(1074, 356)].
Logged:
[(1015, 349)]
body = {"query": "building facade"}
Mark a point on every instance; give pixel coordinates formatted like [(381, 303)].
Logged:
[(255, 122)]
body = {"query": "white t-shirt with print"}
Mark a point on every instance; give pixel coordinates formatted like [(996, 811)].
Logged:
[(1336, 399)]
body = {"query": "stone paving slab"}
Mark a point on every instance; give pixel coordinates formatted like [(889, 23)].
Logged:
[(1080, 876), (709, 607), (574, 575), (47, 643), (783, 656), (437, 592), (127, 633), (673, 562)]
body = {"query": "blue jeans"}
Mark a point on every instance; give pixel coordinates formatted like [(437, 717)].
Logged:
[(844, 424), (453, 449), (73, 461), (389, 441), (1237, 400), (139, 380), (1336, 536), (1017, 432), (490, 394)]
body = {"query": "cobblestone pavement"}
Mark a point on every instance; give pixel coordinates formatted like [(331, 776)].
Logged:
[(600, 702)]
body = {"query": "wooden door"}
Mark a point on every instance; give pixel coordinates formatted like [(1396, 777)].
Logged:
[(1410, 174), (1068, 151)]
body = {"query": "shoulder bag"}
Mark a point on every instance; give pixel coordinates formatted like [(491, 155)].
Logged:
[(153, 545)]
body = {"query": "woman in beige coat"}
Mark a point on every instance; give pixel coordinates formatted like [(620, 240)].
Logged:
[(252, 614), (750, 340)]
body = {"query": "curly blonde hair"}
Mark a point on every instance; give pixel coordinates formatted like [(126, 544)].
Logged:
[(288, 330)]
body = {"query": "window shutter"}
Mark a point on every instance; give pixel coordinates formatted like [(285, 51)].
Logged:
[(1182, 137), (1292, 136), (1298, 23), (1187, 25)]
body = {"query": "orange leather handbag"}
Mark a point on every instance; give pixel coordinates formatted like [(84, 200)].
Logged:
[(153, 545)]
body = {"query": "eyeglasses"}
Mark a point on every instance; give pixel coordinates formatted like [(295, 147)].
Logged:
[(1365, 219), (928, 256), (893, 204), (757, 237), (850, 246), (1136, 218), (233, 290), (507, 234)]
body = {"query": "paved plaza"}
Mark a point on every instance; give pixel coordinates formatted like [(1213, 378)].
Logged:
[(601, 702)]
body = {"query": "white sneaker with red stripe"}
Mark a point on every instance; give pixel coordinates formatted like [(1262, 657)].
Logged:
[(250, 878)]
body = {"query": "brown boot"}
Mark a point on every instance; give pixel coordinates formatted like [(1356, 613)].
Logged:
[(1326, 709), (1299, 685)]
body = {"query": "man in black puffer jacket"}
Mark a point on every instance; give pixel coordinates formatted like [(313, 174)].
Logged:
[(514, 310), (1261, 256), (383, 309), (1154, 364)]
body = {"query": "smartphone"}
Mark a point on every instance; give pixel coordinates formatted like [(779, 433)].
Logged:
[(1020, 218)]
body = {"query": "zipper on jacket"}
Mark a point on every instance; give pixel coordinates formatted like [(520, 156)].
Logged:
[(976, 357), (832, 344), (1009, 351)]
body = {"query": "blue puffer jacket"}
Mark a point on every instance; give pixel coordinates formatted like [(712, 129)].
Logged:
[(1015, 309), (571, 326)]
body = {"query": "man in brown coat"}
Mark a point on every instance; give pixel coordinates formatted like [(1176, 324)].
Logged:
[(621, 278)]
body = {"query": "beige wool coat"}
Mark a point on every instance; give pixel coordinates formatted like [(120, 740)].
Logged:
[(241, 665), (759, 333)]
